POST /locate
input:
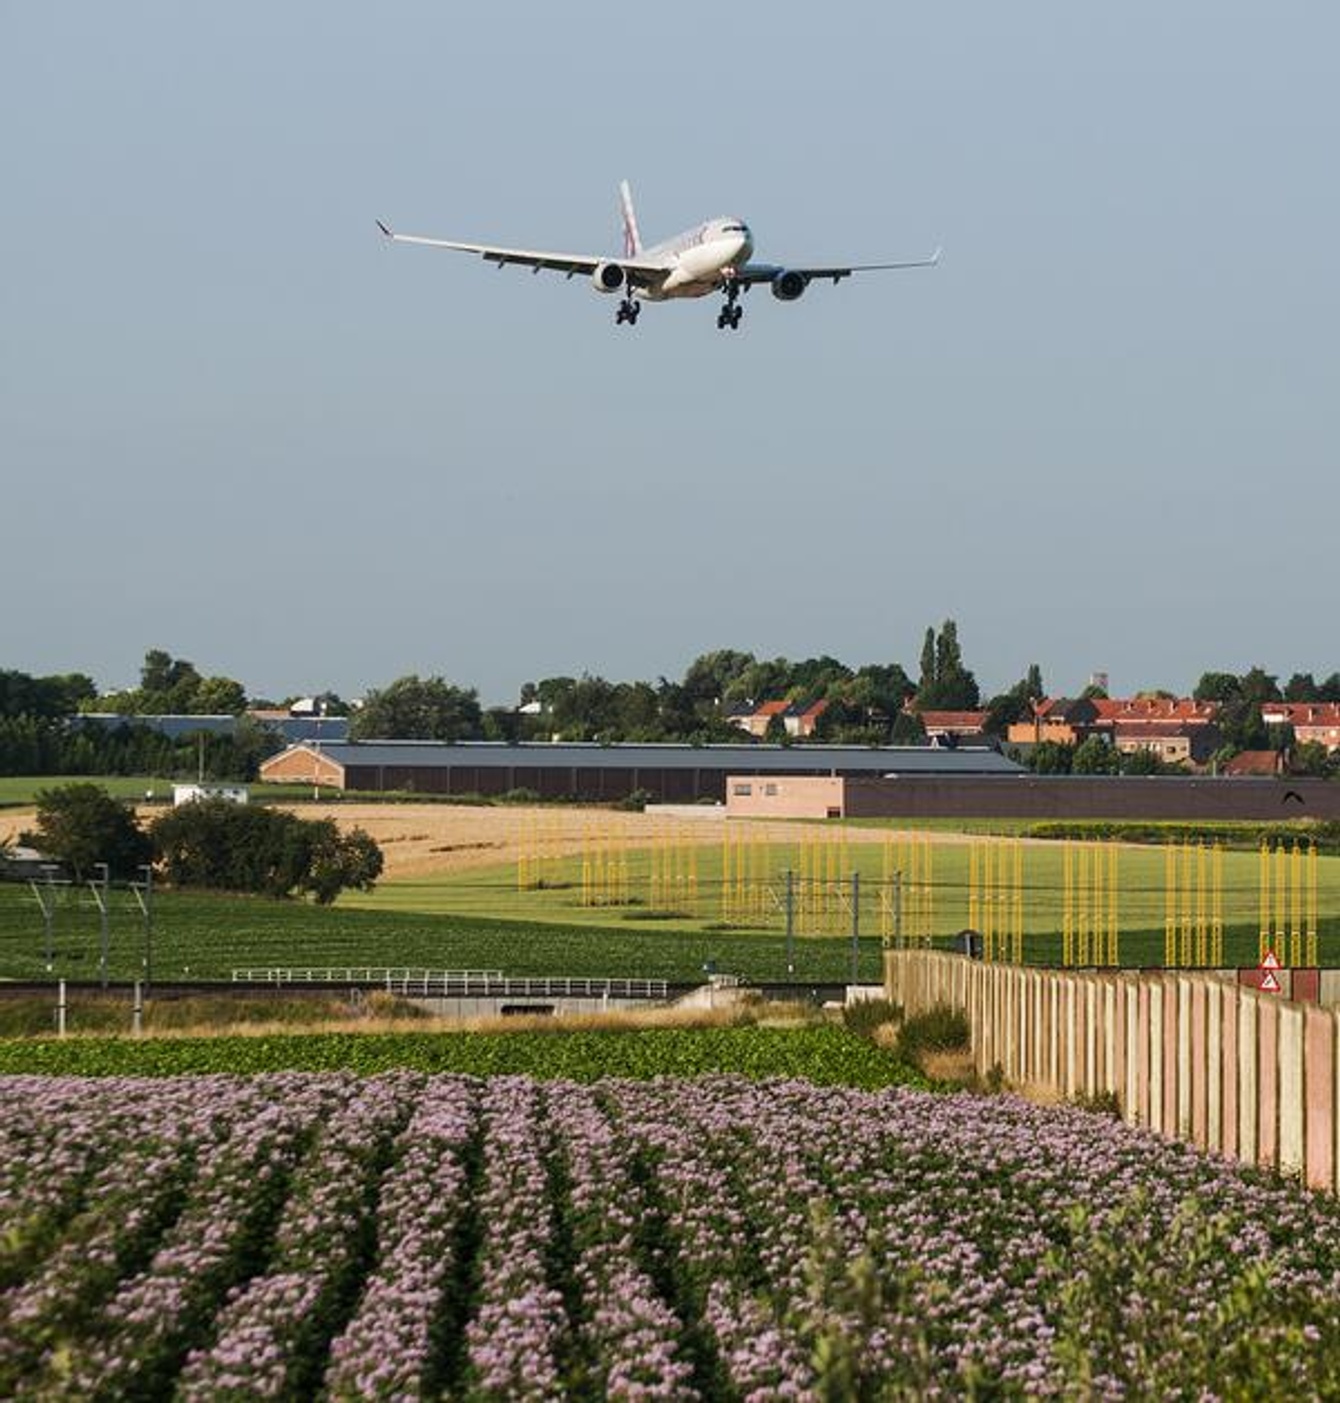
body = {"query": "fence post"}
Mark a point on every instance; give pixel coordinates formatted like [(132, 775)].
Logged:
[(137, 1010), (60, 1008)]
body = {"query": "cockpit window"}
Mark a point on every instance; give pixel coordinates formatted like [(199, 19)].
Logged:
[(735, 229)]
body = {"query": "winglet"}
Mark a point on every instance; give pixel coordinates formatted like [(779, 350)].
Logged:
[(385, 230), (935, 257)]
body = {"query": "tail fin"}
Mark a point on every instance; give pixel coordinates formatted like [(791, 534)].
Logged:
[(632, 240)]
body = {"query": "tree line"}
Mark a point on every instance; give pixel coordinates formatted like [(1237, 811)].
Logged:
[(878, 703)]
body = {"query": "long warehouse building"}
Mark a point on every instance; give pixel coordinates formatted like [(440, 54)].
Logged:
[(594, 773)]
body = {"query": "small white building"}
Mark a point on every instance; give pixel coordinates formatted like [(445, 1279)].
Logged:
[(189, 793)]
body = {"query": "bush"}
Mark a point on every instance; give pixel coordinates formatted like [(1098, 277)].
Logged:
[(1101, 1103), (942, 1029), (520, 795), (863, 1017)]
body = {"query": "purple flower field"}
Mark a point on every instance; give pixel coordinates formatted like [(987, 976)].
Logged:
[(409, 1236)]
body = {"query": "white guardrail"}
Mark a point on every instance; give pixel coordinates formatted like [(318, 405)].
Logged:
[(447, 983)]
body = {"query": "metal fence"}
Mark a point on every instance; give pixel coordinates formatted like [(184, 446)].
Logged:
[(448, 983)]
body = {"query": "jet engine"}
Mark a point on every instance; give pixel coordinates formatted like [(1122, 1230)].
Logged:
[(608, 277), (787, 285)]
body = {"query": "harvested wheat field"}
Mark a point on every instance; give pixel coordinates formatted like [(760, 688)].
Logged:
[(422, 840)]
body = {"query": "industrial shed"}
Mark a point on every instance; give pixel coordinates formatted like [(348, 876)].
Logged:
[(682, 774)]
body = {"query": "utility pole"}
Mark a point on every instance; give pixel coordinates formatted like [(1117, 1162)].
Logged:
[(855, 927), (45, 896), (100, 892), (898, 910), (144, 894), (790, 924)]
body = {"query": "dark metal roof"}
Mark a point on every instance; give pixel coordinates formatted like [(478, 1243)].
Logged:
[(292, 728), (894, 759)]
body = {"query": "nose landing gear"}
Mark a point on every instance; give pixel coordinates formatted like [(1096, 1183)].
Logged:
[(730, 314), (629, 309)]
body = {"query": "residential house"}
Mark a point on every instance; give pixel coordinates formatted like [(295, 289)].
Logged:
[(1062, 720), (1190, 743), (1313, 722), (951, 727)]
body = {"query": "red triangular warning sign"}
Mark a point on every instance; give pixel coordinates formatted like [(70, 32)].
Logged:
[(1270, 961), (1269, 984)]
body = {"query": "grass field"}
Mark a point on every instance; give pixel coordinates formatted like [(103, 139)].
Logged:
[(20, 791), (942, 895)]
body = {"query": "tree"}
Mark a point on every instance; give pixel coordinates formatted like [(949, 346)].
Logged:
[(219, 696), (46, 697), (81, 825), (1218, 687), (222, 846), (415, 708), (1145, 762), (1094, 756), (1260, 686), (340, 860), (709, 677), (1302, 687), (1311, 758), (907, 729), (776, 732), (929, 672), (946, 685), (1050, 757)]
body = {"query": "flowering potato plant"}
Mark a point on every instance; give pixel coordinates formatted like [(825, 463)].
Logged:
[(415, 1236)]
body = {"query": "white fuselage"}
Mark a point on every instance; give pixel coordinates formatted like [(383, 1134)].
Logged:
[(700, 260)]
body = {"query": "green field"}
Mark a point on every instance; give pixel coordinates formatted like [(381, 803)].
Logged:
[(20, 791), (673, 910), (748, 890), (825, 1054), (203, 936)]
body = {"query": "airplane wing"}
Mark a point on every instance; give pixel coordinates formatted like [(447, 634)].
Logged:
[(536, 259), (753, 273)]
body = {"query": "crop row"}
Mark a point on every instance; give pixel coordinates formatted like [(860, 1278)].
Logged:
[(201, 935), (412, 1236), (826, 1054)]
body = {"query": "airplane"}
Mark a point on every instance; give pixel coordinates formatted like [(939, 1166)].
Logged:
[(712, 257)]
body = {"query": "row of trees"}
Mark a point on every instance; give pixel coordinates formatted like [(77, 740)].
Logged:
[(876, 703), (865, 705), (211, 844), (37, 745)]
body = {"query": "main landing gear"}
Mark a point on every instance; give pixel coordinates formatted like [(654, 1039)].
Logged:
[(730, 314), (628, 312)]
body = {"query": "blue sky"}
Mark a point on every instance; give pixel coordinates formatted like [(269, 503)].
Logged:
[(236, 425)]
